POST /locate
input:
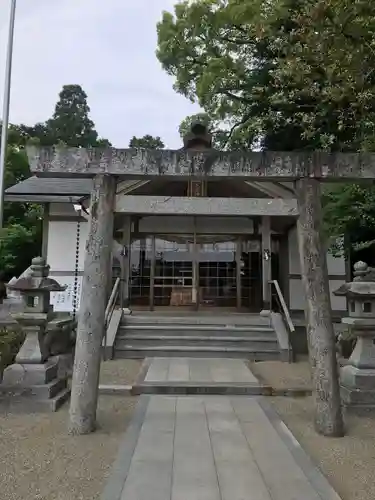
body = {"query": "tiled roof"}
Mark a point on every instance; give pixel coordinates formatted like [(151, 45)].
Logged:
[(50, 187)]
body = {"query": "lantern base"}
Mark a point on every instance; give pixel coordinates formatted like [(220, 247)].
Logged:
[(29, 388), (357, 387)]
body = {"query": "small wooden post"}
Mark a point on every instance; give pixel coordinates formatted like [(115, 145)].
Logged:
[(320, 334), (266, 262), (90, 330), (152, 273), (125, 264), (238, 274)]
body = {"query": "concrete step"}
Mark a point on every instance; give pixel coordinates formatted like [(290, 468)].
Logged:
[(194, 329), (139, 340), (196, 319), (199, 388), (134, 352)]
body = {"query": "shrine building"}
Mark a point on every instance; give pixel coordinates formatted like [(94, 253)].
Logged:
[(212, 244)]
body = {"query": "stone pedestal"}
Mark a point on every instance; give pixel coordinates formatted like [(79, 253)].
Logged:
[(58, 338), (357, 377), (29, 388)]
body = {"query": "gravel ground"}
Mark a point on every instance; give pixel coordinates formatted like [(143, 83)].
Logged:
[(348, 462), (281, 375), (40, 461), (120, 371)]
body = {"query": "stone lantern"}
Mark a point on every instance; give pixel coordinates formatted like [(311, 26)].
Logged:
[(357, 378), (34, 376), (35, 291)]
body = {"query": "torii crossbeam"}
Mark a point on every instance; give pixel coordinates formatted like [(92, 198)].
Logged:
[(141, 163)]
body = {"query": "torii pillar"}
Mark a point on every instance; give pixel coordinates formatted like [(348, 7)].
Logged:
[(91, 318), (319, 326)]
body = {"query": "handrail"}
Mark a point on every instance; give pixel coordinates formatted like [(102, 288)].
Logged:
[(109, 310), (284, 311)]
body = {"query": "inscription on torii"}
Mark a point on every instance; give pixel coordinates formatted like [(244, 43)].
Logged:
[(266, 166)]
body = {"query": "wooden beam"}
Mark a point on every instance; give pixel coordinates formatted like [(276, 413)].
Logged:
[(148, 164), (90, 329), (175, 205)]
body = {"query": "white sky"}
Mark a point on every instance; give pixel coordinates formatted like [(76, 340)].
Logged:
[(107, 47)]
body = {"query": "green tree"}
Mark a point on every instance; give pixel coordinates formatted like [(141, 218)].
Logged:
[(20, 238), (146, 142), (275, 73), (20, 135), (71, 123), (18, 245), (16, 170), (283, 75), (349, 210)]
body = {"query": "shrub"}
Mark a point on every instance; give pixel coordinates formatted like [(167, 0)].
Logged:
[(11, 340)]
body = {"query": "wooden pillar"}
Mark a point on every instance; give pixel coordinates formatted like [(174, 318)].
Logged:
[(125, 264), (90, 330), (283, 257), (320, 334), (152, 273), (238, 274), (45, 230), (266, 262), (195, 296)]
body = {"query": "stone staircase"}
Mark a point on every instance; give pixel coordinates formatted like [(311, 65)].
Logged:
[(196, 335)]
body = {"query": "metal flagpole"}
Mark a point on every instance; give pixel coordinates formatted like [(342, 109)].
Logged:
[(6, 102)]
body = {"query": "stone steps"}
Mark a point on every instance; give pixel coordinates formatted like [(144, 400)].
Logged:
[(131, 352), (259, 342), (196, 335), (189, 329), (231, 320)]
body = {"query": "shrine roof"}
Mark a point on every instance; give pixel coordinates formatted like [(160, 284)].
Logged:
[(49, 190)]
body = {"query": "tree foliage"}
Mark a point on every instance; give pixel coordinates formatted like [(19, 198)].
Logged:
[(292, 74), (350, 210), (70, 123), (283, 75), (19, 243), (146, 142), (20, 239)]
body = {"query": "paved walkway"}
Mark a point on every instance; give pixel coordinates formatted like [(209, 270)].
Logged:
[(210, 370), (212, 448)]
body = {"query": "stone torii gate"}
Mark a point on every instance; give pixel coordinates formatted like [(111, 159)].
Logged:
[(108, 166)]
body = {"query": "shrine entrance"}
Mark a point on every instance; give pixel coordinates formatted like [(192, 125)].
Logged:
[(198, 272)]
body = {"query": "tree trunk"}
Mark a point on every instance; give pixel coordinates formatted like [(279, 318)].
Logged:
[(90, 330), (320, 334)]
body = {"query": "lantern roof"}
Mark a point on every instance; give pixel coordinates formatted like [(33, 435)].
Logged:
[(37, 280), (363, 285)]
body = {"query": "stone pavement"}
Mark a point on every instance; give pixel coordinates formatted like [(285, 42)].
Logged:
[(199, 370), (191, 376), (212, 448)]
